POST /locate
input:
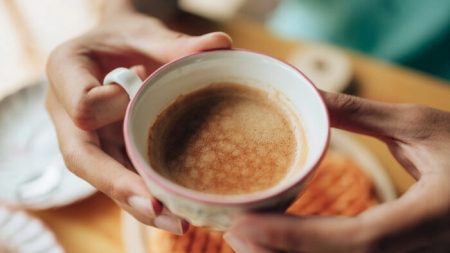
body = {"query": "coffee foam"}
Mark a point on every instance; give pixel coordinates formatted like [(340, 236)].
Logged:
[(226, 139)]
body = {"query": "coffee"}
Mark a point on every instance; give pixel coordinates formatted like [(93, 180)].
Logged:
[(227, 138)]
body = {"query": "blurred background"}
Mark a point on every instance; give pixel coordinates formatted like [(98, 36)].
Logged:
[(29, 30), (412, 33)]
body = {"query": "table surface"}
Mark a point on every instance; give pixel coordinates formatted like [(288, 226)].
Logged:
[(93, 225)]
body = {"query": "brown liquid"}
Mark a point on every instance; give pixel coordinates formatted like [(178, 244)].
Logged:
[(224, 139)]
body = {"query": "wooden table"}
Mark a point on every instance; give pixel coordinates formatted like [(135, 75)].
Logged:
[(94, 225)]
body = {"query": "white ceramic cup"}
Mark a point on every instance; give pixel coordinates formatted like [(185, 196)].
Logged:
[(150, 97)]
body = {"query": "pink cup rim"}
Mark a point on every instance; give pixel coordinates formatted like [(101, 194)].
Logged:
[(212, 199)]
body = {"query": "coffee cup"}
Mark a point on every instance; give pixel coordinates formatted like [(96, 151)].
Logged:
[(149, 98)]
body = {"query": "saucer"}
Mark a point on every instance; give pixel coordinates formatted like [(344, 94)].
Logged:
[(21, 233), (32, 171)]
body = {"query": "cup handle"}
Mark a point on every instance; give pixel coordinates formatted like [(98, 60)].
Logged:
[(125, 78)]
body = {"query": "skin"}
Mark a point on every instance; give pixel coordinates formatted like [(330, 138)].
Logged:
[(87, 118), (419, 221)]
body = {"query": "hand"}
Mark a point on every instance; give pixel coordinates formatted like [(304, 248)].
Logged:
[(419, 221), (87, 116)]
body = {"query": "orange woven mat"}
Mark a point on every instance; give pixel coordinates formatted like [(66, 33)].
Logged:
[(339, 187)]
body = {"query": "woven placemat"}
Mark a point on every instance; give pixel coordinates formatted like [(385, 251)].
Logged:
[(339, 187)]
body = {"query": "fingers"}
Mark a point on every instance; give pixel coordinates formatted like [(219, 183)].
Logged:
[(241, 245), (75, 80), (83, 157), (293, 234), (150, 37), (76, 68), (362, 115), (399, 226), (378, 119), (170, 45), (418, 219)]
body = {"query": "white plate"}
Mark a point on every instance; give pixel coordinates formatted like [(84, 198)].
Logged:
[(328, 67), (135, 235), (32, 171), (342, 142), (21, 233)]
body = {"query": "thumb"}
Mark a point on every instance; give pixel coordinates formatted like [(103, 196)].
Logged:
[(171, 45), (92, 105), (187, 44), (364, 116)]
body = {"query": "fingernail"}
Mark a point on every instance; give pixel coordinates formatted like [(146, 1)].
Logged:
[(169, 223), (142, 205), (237, 244), (225, 43)]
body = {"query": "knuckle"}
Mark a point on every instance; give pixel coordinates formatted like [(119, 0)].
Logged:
[(119, 189), (80, 107), (418, 121), (70, 155), (82, 113), (59, 53), (352, 105), (55, 54), (343, 107)]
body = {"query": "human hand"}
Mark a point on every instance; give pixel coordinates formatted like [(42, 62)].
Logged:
[(419, 221), (87, 116)]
